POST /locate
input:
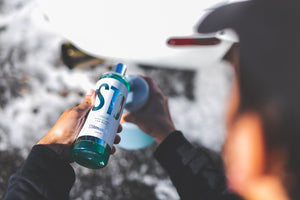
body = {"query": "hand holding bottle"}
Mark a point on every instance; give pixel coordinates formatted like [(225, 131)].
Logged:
[(62, 135), (153, 118)]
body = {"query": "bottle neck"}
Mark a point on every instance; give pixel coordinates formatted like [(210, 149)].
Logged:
[(117, 76)]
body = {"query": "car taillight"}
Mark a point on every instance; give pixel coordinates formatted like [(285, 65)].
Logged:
[(193, 41)]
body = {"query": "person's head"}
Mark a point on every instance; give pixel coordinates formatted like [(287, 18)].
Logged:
[(263, 137)]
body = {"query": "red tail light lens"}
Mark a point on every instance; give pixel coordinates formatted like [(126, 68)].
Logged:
[(193, 41)]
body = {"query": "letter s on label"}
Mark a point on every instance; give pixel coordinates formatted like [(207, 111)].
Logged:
[(100, 97)]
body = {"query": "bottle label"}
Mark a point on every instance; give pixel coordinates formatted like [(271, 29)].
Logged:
[(103, 119)]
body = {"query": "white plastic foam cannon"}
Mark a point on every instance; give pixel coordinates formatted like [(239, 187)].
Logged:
[(133, 137)]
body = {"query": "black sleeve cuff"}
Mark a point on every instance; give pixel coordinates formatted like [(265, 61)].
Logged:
[(50, 175), (174, 140), (166, 153)]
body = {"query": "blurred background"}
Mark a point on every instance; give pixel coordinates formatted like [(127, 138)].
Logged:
[(43, 73)]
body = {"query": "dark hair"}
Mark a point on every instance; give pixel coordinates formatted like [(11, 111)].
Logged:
[(269, 80)]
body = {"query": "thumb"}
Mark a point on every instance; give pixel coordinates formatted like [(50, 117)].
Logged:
[(88, 100), (128, 117)]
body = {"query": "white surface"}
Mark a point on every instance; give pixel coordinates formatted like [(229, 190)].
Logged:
[(132, 29)]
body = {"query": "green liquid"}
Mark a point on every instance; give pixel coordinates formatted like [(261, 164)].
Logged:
[(90, 151), (91, 154)]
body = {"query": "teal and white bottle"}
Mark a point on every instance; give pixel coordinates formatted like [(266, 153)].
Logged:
[(94, 143)]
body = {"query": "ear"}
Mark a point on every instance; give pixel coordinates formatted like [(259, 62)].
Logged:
[(244, 151)]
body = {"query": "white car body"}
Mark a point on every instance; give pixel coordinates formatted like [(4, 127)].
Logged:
[(135, 30)]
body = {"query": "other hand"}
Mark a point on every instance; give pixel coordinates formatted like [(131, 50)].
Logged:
[(154, 118)]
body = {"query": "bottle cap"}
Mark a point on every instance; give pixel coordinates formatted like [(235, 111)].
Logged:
[(120, 68)]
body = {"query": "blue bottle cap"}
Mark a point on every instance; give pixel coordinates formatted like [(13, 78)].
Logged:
[(120, 68)]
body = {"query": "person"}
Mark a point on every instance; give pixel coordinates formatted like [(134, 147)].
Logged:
[(261, 145), (262, 141)]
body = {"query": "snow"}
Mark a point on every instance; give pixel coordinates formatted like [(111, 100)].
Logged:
[(47, 88)]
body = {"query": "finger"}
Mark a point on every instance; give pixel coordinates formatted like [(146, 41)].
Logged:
[(113, 150), (149, 80), (151, 83), (88, 100), (120, 128), (117, 139), (128, 117)]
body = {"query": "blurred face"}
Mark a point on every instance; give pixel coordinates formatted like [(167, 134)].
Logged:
[(243, 147), (251, 171)]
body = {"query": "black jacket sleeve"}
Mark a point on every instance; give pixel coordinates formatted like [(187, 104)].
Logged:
[(44, 175), (197, 173)]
